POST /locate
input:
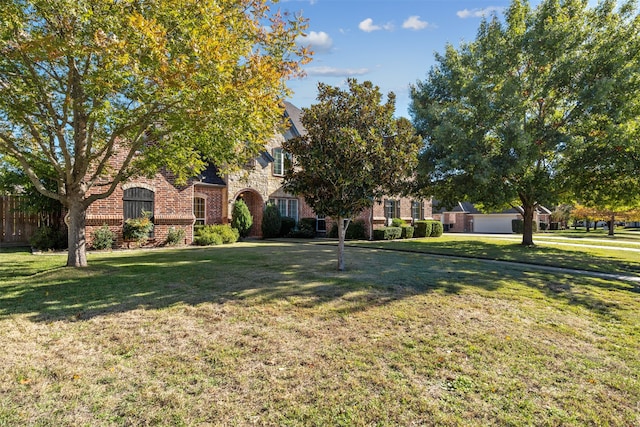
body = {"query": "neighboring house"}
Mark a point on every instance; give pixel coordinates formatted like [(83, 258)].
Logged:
[(209, 197), (466, 218)]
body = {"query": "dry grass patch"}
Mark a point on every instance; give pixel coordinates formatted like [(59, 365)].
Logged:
[(270, 334)]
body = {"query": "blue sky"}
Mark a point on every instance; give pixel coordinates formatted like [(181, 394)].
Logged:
[(389, 42)]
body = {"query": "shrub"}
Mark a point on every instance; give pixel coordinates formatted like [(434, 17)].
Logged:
[(47, 238), (271, 221), (517, 226), (216, 235), (138, 229), (175, 236), (286, 225), (397, 222), (407, 231), (355, 231), (306, 229), (208, 239), (241, 218), (387, 233), (436, 229), (423, 228), (103, 238)]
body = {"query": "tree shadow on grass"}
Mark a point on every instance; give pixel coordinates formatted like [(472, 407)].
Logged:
[(301, 274), (538, 255)]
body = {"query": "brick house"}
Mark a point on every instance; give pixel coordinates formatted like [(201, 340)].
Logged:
[(209, 197), (466, 218)]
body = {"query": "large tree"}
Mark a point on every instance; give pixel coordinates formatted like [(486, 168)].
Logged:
[(601, 167), (499, 113), (158, 83), (354, 153)]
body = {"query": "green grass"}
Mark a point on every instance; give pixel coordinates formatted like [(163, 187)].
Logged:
[(545, 252), (268, 333), (620, 234)]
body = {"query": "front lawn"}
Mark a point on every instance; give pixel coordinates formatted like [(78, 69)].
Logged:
[(584, 255), (269, 333)]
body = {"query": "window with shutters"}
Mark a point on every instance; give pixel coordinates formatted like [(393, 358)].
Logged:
[(391, 209)]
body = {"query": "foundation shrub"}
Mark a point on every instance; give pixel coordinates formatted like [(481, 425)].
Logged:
[(103, 238)]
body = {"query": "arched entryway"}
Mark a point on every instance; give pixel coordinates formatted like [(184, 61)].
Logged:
[(255, 204)]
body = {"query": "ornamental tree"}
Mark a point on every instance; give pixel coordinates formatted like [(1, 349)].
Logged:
[(161, 83), (241, 218), (354, 152), (501, 114)]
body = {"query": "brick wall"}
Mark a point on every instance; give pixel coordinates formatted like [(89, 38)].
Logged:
[(379, 219), (173, 207), (215, 202)]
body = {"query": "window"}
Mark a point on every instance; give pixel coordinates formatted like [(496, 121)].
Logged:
[(287, 207), (321, 223), (281, 161), (417, 210), (199, 210), (135, 200), (391, 209)]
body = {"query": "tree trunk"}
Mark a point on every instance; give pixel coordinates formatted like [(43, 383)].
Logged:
[(587, 223), (76, 221), (527, 234), (612, 224), (343, 224), (371, 222)]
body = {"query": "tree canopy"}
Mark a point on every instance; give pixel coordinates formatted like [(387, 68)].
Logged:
[(501, 115), (159, 83), (354, 152)]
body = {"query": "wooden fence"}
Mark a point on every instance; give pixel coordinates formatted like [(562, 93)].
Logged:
[(17, 226)]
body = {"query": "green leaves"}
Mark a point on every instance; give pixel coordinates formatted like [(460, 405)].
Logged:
[(499, 113), (104, 90), (354, 151)]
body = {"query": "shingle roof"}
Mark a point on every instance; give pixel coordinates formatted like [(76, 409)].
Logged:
[(294, 114), (467, 207), (210, 176)]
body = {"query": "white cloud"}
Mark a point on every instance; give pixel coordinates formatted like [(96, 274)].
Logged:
[(319, 41), (336, 72), (414, 23), (368, 26), (479, 13)]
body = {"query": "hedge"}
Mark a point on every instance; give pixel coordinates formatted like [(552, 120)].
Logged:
[(436, 229), (286, 225), (355, 231), (387, 233), (407, 231), (517, 226), (423, 229), (216, 235)]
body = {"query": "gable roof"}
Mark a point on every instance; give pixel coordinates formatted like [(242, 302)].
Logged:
[(210, 176), (294, 114), (470, 208)]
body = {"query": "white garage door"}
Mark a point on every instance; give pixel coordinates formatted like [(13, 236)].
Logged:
[(493, 223)]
